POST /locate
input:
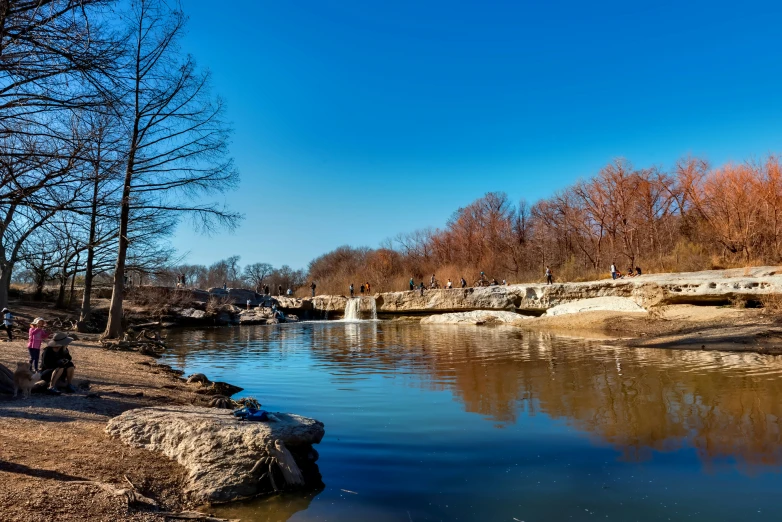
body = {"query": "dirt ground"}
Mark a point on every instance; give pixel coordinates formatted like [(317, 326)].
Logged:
[(683, 327), (49, 443)]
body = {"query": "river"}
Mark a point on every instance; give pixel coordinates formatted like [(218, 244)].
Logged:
[(428, 423)]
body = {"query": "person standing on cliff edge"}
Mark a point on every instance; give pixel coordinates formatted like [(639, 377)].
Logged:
[(312, 286), (412, 284), (549, 276), (351, 289)]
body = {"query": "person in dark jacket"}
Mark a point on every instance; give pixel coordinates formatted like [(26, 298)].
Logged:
[(57, 363)]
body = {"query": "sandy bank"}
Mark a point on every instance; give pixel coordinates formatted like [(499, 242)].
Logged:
[(683, 327), (50, 442)]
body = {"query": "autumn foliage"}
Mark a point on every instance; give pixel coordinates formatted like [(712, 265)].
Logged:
[(691, 217)]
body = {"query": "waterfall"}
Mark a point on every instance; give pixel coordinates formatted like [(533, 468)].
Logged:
[(352, 309)]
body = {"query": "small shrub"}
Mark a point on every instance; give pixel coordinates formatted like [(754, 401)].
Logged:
[(738, 302), (772, 303)]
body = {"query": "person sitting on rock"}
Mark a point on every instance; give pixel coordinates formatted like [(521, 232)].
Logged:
[(638, 271), (449, 284), (58, 364), (289, 292)]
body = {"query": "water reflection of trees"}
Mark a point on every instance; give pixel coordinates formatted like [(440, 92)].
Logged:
[(723, 405)]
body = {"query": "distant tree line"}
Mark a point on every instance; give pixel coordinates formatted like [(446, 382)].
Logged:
[(229, 272), (691, 217), (109, 137)]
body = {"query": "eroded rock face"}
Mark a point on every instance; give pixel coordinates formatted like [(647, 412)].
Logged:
[(218, 450), (647, 290)]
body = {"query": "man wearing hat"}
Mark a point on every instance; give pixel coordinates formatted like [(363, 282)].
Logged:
[(57, 363)]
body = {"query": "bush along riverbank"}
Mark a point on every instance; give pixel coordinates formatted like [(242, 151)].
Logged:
[(138, 441)]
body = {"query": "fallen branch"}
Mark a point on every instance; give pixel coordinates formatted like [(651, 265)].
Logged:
[(132, 496)]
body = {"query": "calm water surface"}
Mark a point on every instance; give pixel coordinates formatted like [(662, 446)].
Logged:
[(427, 422)]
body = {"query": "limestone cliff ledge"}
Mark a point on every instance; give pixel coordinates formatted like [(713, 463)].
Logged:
[(707, 287)]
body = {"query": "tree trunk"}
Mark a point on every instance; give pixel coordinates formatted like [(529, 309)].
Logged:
[(114, 327), (86, 304), (40, 281), (5, 282), (60, 303), (73, 284)]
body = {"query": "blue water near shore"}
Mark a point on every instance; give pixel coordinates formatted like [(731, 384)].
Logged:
[(474, 424)]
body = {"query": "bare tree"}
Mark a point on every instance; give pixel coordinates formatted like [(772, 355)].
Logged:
[(256, 273), (177, 142)]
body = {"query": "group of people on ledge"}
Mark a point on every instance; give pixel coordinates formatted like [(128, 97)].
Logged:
[(435, 284), (616, 274), (364, 288)]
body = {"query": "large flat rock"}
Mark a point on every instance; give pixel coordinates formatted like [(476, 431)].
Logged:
[(217, 449), (596, 304), (476, 317)]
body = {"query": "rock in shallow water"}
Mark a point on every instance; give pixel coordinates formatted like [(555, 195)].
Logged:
[(477, 317), (218, 450)]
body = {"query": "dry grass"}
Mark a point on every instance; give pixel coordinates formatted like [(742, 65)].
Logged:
[(772, 304)]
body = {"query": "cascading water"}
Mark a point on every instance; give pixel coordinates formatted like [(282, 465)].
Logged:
[(353, 309)]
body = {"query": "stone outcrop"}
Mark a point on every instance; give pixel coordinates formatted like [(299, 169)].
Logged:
[(238, 296), (219, 451), (476, 317), (707, 287)]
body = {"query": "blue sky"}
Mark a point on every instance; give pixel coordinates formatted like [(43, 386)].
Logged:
[(358, 120)]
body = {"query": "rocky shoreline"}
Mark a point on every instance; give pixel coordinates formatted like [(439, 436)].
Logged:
[(651, 302), (229, 307), (166, 450)]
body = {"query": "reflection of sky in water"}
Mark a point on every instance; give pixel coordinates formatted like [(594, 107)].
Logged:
[(440, 422)]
